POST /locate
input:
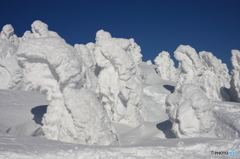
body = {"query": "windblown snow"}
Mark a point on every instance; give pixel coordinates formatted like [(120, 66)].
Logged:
[(103, 94)]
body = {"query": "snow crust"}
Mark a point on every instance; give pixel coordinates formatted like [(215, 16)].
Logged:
[(55, 68), (235, 80), (201, 69), (165, 67), (119, 78)]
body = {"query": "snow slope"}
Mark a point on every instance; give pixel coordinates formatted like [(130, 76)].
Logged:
[(143, 145)]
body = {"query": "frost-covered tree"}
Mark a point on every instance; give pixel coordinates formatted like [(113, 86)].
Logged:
[(53, 67), (10, 72), (165, 67), (202, 69), (235, 81), (190, 111), (119, 79)]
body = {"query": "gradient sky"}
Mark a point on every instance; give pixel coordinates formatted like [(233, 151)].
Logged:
[(156, 25)]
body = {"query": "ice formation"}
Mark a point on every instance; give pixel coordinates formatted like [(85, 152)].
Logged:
[(10, 72), (201, 69), (55, 68), (119, 78), (235, 82), (165, 67), (189, 109)]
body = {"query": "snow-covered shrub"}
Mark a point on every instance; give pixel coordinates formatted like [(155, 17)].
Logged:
[(235, 81), (202, 69), (55, 68), (119, 79), (10, 72), (189, 109), (165, 67)]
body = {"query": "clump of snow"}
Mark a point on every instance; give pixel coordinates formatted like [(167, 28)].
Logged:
[(119, 79), (10, 72), (235, 80), (201, 69), (165, 67), (189, 109), (149, 62), (55, 68)]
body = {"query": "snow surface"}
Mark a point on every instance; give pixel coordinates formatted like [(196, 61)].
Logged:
[(144, 141), (100, 100)]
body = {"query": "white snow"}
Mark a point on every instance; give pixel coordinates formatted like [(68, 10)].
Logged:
[(119, 79), (165, 67), (201, 69), (54, 68), (190, 111), (102, 101), (10, 72)]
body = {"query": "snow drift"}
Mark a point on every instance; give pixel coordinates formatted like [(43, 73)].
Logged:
[(55, 68)]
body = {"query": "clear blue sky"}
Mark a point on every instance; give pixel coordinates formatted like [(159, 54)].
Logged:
[(156, 25)]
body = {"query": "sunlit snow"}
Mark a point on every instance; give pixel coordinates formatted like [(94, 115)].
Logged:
[(100, 100)]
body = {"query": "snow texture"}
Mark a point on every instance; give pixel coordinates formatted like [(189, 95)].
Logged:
[(165, 67), (10, 72), (190, 111), (119, 78), (235, 80), (55, 68), (7, 34), (103, 94), (201, 69)]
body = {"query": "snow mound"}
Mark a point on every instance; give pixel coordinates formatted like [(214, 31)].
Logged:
[(201, 69), (189, 109), (235, 82), (155, 91), (53, 67), (119, 77), (165, 67), (10, 72)]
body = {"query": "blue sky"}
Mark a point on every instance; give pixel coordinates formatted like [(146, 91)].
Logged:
[(156, 25)]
